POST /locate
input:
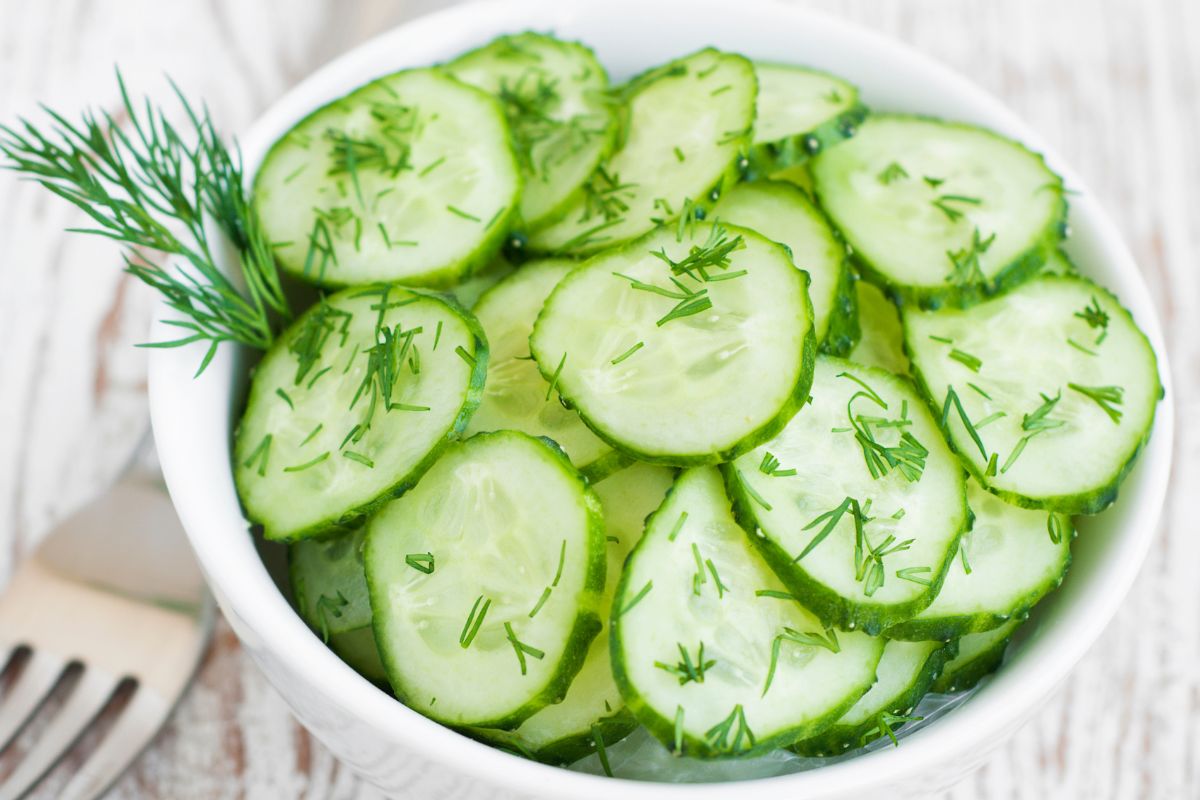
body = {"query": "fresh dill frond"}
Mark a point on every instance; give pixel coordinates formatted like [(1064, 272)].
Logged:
[(686, 669), (421, 562), (1107, 397), (891, 173), (156, 187), (966, 269)]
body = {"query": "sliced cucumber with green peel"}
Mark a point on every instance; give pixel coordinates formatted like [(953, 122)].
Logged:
[(410, 178), (1010, 559), (782, 213), (939, 212), (593, 708), (352, 404), (1060, 263), (330, 589), (486, 581), (681, 349), (800, 113), (979, 654), (468, 292), (1049, 392), (516, 396), (687, 127), (881, 343), (554, 94), (858, 504), (903, 677), (710, 652)]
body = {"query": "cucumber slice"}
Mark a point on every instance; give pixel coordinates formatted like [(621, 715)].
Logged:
[(500, 625), (554, 96), (1059, 263), (566, 732), (330, 590), (687, 127), (979, 654), (1015, 557), (660, 375), (800, 113), (468, 292), (903, 677), (516, 396), (940, 212), (1075, 380), (844, 329), (321, 442), (695, 592), (781, 212), (409, 178), (799, 176), (860, 544), (882, 341)]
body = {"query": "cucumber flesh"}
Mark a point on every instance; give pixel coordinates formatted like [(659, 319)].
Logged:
[(497, 626), (881, 343), (554, 97), (567, 731), (694, 580), (409, 178), (798, 492), (1016, 557), (782, 213), (516, 396), (914, 196), (904, 675), (330, 590), (679, 389), (1059, 263), (319, 445), (1074, 378), (688, 124), (800, 112), (979, 654)]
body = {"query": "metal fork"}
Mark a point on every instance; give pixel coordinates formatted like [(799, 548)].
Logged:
[(112, 596)]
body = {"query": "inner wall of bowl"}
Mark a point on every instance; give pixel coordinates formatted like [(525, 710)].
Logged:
[(194, 419)]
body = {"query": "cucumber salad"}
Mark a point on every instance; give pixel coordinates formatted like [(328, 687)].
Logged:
[(703, 416)]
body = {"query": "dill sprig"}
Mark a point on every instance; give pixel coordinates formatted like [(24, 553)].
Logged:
[(942, 203), (770, 466), (604, 196), (474, 621), (713, 254), (330, 606), (1107, 397), (521, 648), (885, 723), (1095, 317), (421, 562), (907, 455), (140, 186), (966, 269), (891, 173), (829, 641), (687, 670), (732, 734), (1034, 423), (831, 519)]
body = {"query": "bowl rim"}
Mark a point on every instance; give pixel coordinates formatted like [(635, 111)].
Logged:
[(247, 591)]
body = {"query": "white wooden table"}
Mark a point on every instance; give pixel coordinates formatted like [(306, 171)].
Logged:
[(1112, 84)]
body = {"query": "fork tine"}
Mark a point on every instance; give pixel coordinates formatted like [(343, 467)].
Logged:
[(38, 676), (135, 727), (91, 693)]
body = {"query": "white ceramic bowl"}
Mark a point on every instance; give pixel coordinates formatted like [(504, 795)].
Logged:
[(410, 756)]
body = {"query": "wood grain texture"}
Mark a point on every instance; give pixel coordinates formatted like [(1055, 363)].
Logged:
[(1112, 84)]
